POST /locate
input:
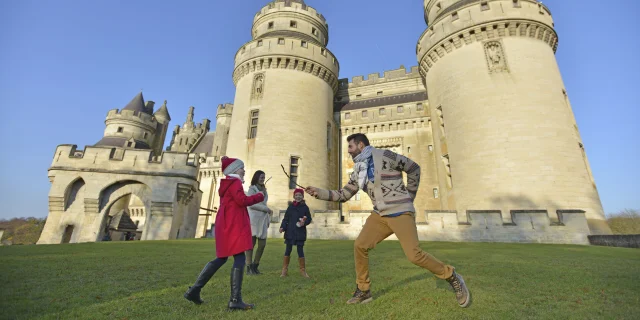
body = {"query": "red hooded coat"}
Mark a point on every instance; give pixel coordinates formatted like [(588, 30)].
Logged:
[(233, 227)]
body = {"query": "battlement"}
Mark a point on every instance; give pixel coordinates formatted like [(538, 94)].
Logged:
[(225, 109), (525, 225), (287, 53), (119, 160), (288, 49), (374, 78), (460, 22), (117, 114), (290, 6)]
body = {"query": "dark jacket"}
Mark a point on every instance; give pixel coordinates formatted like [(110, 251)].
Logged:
[(291, 217)]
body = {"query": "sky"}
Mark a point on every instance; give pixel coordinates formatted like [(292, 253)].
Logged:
[(65, 63)]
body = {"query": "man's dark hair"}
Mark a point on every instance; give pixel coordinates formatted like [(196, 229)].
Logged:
[(358, 137), (256, 177)]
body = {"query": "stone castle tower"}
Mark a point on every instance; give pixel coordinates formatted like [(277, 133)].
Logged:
[(136, 126), (285, 81), (506, 132)]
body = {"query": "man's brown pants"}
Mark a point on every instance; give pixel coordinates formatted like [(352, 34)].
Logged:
[(378, 228)]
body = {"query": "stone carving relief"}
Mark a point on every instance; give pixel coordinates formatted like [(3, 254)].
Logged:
[(258, 86), (496, 59)]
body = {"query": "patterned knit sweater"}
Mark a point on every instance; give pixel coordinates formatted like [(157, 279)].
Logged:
[(388, 192)]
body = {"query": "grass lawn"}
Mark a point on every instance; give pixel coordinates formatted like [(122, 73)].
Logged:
[(146, 280)]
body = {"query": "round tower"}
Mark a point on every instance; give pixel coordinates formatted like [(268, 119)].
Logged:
[(507, 136), (132, 127), (285, 81)]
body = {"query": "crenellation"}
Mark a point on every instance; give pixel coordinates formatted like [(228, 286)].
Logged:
[(117, 114), (374, 78), (119, 158)]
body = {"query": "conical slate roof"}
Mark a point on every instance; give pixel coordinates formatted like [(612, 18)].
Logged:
[(137, 104), (163, 111)]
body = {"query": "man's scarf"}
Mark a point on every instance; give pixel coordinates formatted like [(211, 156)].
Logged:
[(362, 164)]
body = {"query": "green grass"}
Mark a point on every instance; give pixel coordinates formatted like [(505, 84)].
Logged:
[(146, 280)]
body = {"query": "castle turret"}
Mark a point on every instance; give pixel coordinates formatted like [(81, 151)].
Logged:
[(223, 123), (187, 137), (505, 132), (132, 127), (163, 118), (285, 81)]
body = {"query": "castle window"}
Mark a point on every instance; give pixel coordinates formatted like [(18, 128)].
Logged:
[(120, 129), (144, 135), (454, 16), (347, 116), (253, 126), (484, 6), (439, 6), (379, 93), (441, 117), (293, 24), (436, 194), (364, 114), (293, 172), (259, 43), (314, 31), (303, 44), (270, 25), (129, 144), (382, 111), (400, 109), (447, 169), (357, 198), (516, 4), (430, 147), (281, 41), (243, 49), (419, 107), (323, 52), (358, 96)]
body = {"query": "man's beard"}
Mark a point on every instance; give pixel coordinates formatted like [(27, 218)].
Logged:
[(353, 157)]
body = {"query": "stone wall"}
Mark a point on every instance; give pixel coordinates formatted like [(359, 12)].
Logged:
[(527, 226), (616, 240)]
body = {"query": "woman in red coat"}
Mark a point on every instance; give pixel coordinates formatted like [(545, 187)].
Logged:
[(233, 233)]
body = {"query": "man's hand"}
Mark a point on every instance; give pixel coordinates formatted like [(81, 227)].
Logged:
[(270, 211), (312, 191), (281, 231)]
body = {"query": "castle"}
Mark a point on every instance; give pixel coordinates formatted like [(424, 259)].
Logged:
[(484, 113)]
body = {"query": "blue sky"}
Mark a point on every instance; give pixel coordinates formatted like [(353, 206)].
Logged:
[(65, 63)]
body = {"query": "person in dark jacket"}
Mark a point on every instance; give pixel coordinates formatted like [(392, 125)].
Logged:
[(232, 232), (294, 225)]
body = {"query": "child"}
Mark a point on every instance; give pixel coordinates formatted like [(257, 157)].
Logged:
[(294, 225), (233, 234)]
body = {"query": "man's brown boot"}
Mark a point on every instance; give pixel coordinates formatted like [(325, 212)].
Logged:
[(285, 266), (303, 269)]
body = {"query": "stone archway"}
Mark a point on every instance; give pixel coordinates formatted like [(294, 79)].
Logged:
[(114, 203)]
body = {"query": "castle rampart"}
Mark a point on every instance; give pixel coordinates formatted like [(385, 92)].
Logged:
[(527, 226), (287, 53), (126, 161)]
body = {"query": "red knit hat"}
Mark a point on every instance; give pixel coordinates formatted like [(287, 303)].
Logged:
[(298, 191), (230, 165)]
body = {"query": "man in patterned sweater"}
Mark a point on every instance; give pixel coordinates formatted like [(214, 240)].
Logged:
[(379, 173)]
